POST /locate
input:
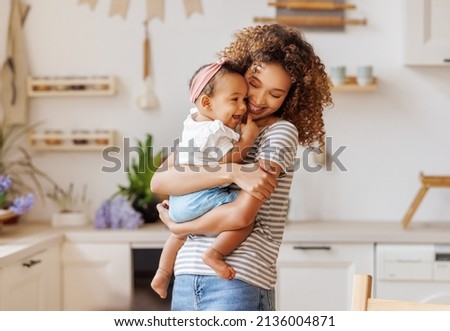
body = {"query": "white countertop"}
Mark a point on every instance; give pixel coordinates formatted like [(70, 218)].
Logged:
[(367, 232), (17, 241), (20, 241)]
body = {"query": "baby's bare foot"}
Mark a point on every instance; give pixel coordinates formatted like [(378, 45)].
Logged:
[(160, 283), (214, 259)]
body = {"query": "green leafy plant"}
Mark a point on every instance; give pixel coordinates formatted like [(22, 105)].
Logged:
[(139, 176)]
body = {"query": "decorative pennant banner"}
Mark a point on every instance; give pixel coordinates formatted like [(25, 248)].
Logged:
[(192, 6), (90, 3), (119, 7), (155, 8)]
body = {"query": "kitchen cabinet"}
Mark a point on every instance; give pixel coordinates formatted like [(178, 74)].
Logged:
[(427, 32), (96, 276), (32, 283), (97, 271), (320, 276)]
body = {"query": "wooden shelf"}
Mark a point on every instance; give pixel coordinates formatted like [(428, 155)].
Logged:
[(351, 85), (54, 141), (305, 5), (71, 86), (313, 15)]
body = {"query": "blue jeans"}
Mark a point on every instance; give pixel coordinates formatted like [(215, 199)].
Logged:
[(205, 292), (189, 206)]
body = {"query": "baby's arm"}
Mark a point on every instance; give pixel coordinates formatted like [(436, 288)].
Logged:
[(249, 133)]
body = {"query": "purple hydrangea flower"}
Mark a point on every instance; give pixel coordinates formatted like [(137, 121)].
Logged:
[(5, 184), (102, 216), (23, 204), (117, 213)]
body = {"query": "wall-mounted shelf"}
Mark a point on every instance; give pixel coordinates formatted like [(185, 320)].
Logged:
[(71, 86), (322, 15), (351, 85), (306, 5), (55, 140), (312, 21)]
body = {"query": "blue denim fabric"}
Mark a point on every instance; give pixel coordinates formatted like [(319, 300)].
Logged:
[(205, 292), (189, 206)]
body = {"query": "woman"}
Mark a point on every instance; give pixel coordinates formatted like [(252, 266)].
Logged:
[(288, 91)]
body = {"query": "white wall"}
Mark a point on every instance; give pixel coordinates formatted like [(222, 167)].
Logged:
[(392, 134)]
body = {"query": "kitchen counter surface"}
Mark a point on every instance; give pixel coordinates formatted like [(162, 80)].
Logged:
[(368, 232), (16, 241), (20, 241)]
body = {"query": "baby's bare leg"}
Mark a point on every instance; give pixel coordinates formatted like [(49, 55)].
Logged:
[(161, 280), (225, 243)]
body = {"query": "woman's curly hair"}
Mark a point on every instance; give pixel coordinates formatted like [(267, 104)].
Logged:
[(310, 90)]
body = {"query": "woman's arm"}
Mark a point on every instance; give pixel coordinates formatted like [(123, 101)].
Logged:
[(231, 216), (178, 179)]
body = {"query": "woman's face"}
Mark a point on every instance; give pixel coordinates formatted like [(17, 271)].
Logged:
[(268, 86)]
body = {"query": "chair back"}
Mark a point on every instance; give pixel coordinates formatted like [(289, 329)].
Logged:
[(362, 299)]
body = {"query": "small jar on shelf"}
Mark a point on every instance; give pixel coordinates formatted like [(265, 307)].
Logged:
[(102, 136), (80, 137), (53, 137)]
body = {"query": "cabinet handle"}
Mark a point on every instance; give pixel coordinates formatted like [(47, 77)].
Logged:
[(311, 248), (446, 60), (31, 263)]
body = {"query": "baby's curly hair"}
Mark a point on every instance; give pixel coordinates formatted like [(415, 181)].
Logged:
[(310, 90)]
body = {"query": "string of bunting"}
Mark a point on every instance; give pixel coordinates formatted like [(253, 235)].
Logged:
[(155, 8)]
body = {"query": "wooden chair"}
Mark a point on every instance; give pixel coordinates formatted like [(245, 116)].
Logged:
[(362, 299)]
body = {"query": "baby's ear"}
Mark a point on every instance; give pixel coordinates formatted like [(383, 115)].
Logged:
[(205, 101)]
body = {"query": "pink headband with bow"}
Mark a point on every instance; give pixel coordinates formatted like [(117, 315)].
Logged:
[(203, 77)]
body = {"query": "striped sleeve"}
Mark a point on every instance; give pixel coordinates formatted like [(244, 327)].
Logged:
[(279, 144)]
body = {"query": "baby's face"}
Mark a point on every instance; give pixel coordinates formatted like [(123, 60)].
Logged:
[(229, 101)]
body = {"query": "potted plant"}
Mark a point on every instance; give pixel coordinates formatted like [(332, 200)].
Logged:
[(12, 207), (72, 207), (17, 166), (139, 175)]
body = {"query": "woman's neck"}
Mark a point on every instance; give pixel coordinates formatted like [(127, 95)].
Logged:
[(266, 121)]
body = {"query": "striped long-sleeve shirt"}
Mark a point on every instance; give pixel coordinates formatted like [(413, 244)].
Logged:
[(255, 259)]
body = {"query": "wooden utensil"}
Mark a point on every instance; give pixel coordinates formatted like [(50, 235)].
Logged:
[(301, 5), (427, 183), (312, 21), (147, 99)]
